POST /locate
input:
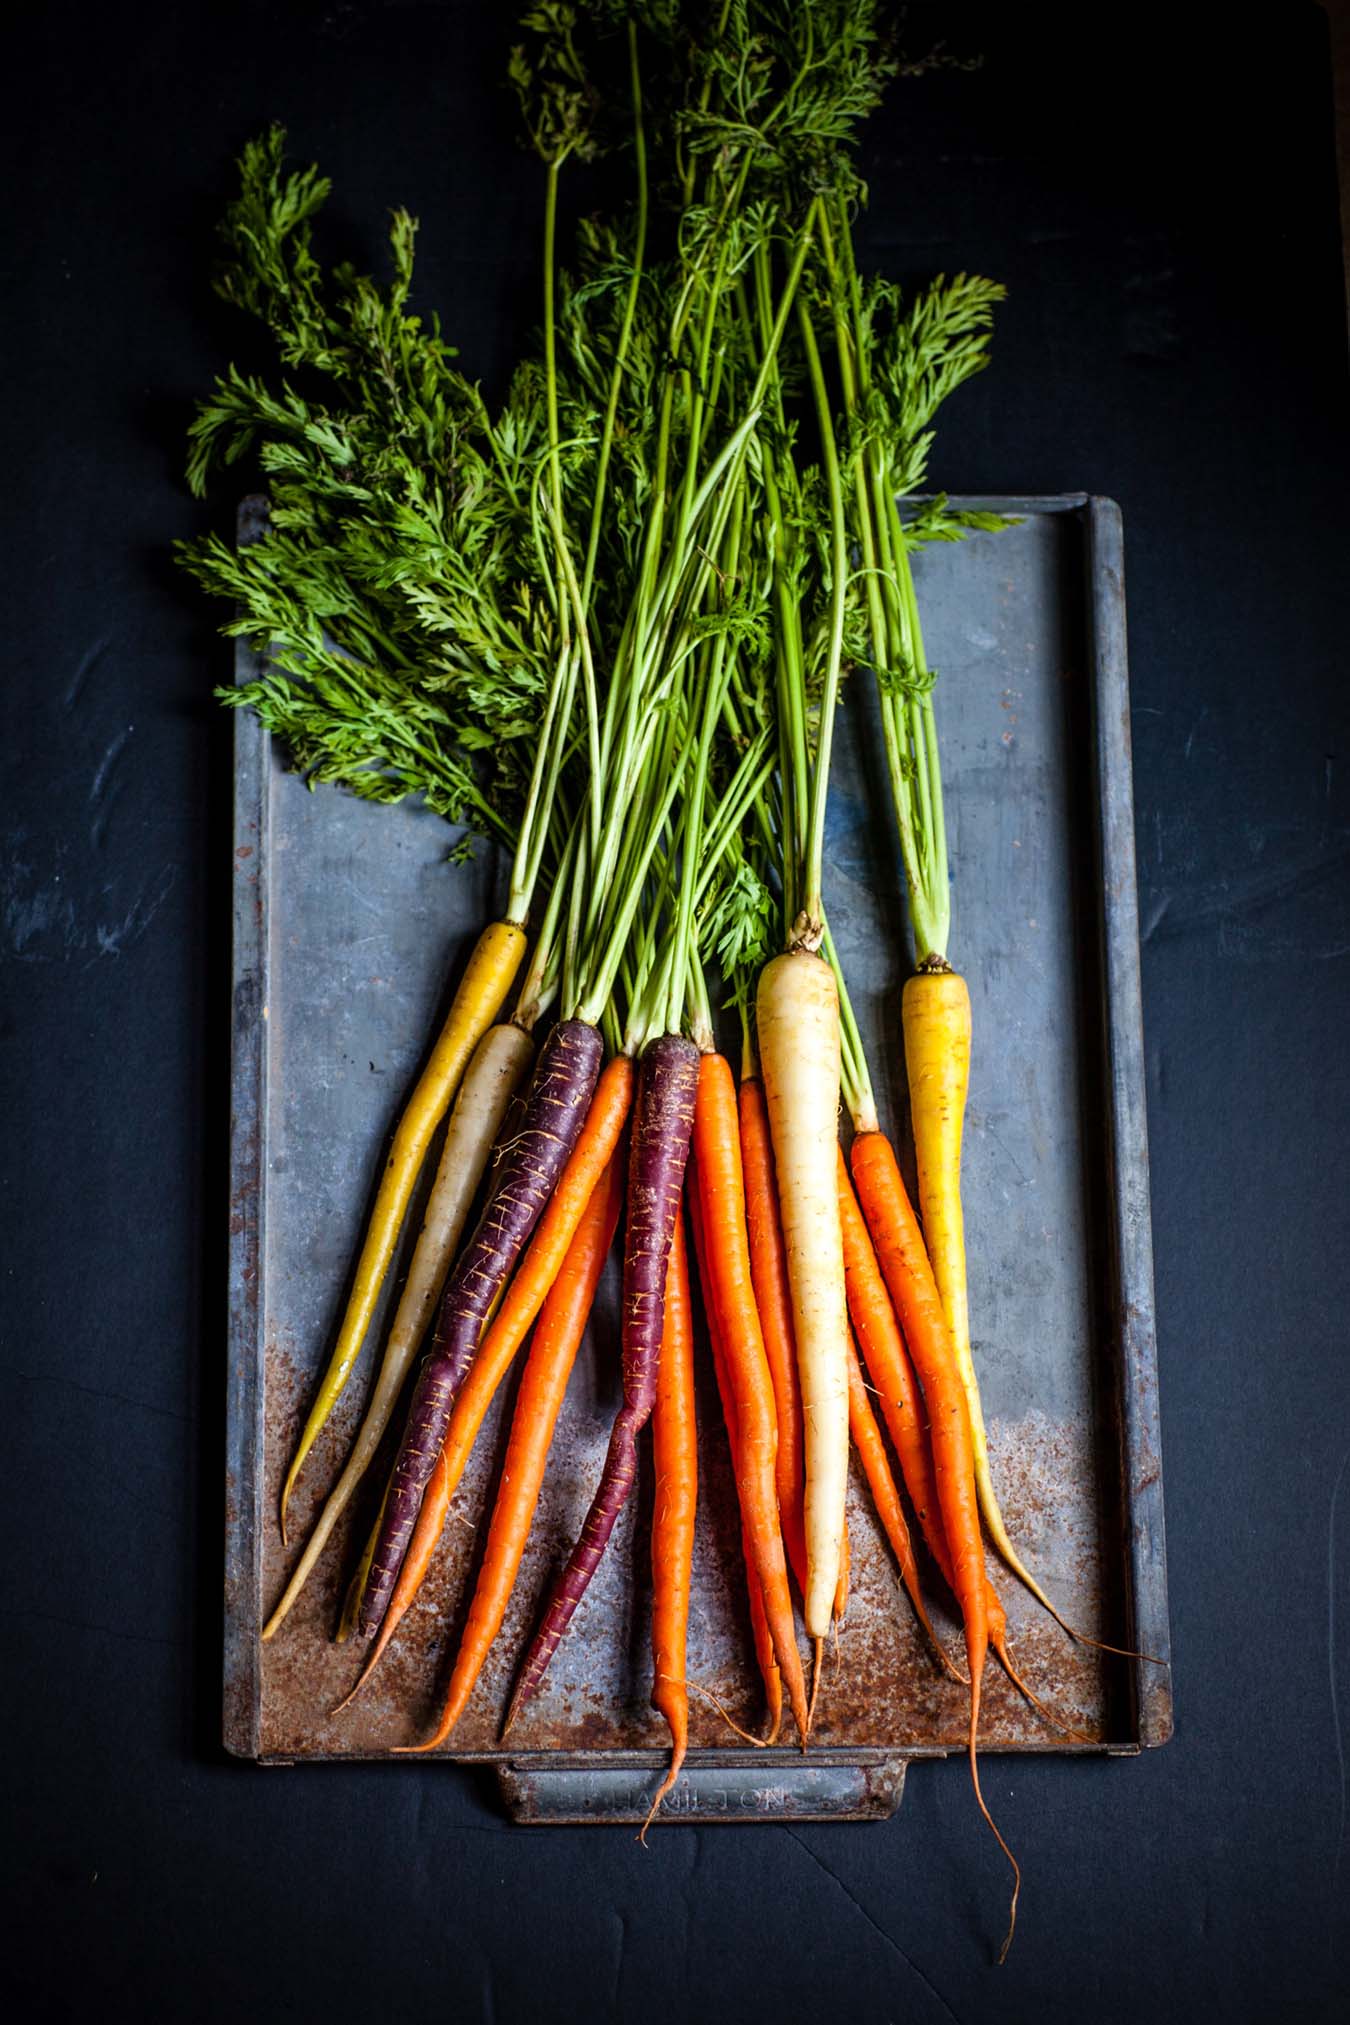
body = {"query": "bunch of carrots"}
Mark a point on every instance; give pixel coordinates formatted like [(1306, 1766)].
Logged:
[(609, 624)]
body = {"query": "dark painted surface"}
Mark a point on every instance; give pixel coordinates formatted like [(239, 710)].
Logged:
[(1163, 212)]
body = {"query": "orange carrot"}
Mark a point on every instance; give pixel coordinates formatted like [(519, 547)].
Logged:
[(538, 1270), (877, 1469), (765, 1657), (909, 1276), (675, 1460), (773, 1298), (728, 1284), (761, 1637), (562, 1322), (883, 1350), (421, 1548), (888, 1366)]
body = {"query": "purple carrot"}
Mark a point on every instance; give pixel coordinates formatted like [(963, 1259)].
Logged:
[(663, 1121), (529, 1164)]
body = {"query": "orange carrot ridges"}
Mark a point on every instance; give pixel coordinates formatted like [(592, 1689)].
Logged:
[(729, 1288), (675, 1459), (760, 1635), (888, 1366), (773, 1298), (877, 1469), (883, 1352), (766, 1659)]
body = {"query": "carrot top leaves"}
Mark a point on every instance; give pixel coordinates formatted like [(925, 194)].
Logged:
[(392, 588)]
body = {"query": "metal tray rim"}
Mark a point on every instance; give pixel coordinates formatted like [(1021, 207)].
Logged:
[(1130, 1233)]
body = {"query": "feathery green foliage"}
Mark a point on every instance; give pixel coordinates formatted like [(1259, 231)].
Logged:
[(395, 588), (418, 590)]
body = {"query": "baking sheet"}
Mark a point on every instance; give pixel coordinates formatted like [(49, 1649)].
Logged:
[(349, 933)]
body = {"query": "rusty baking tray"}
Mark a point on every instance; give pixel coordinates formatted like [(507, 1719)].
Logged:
[(349, 932)]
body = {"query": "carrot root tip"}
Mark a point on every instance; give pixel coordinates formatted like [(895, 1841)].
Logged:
[(1042, 1708), (819, 1647), (759, 1743), (1012, 1920), (666, 1786)]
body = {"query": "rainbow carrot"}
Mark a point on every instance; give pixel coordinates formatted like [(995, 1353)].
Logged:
[(559, 1098), (663, 1119), (675, 1465), (562, 1323)]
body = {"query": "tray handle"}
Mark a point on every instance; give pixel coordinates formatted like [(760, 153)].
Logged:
[(543, 1793)]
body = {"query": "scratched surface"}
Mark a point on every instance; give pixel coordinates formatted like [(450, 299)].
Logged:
[(358, 929)]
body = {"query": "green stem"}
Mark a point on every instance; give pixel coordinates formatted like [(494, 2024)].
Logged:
[(749, 1053), (604, 970), (813, 906), (626, 328), (855, 1079), (532, 996), (909, 727), (553, 736), (700, 1009), (551, 333), (714, 688)]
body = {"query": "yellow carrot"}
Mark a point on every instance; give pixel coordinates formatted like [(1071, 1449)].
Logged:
[(347, 1620), (482, 991), (936, 1020)]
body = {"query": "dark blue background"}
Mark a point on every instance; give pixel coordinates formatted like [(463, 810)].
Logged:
[(1162, 207)]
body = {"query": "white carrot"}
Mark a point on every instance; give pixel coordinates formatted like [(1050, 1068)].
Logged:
[(797, 1009), (499, 1063)]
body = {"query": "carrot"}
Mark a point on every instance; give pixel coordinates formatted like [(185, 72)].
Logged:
[(798, 1015), (935, 1015), (871, 1449), (773, 1298), (562, 1323), (888, 1365), (663, 1119), (936, 1020), (531, 1164), (482, 989), (909, 1276), (883, 1350), (675, 1464), (720, 1186), (768, 1268), (761, 1637), (579, 1182), (347, 1617), (499, 1062)]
